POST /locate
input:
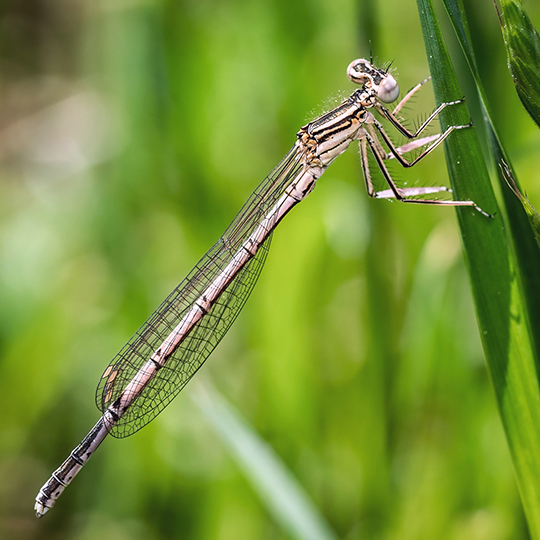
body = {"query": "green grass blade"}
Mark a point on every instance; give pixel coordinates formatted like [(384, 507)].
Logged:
[(522, 43), (520, 223), (276, 486), (500, 307), (532, 214)]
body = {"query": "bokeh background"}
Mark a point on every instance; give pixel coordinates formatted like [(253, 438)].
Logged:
[(131, 131)]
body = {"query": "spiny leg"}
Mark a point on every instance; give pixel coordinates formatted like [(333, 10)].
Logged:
[(397, 152), (394, 192), (424, 140), (402, 129), (409, 95), (401, 194), (413, 145)]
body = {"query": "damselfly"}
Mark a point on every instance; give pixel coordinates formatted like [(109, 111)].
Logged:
[(163, 355)]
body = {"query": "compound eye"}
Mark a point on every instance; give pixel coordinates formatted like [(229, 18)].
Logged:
[(388, 90)]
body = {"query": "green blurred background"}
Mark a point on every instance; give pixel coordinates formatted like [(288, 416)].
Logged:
[(131, 131)]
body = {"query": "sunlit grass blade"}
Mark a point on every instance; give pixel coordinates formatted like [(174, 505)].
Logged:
[(499, 299), (522, 43), (276, 486), (519, 225)]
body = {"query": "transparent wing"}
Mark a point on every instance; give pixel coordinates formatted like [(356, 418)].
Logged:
[(208, 332)]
